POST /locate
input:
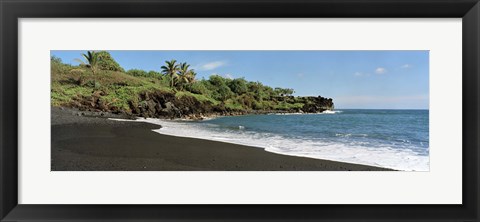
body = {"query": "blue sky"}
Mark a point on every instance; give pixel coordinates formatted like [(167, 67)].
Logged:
[(354, 79)]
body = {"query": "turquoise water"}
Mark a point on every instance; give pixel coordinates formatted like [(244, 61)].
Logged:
[(401, 129), (397, 139)]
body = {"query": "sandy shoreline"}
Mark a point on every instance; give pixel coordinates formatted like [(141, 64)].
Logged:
[(98, 144)]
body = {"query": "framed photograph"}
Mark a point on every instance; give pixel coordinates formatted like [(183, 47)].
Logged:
[(227, 110)]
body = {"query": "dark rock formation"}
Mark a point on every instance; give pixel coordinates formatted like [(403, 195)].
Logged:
[(160, 104), (316, 104)]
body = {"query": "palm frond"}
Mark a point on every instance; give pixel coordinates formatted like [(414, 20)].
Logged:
[(79, 61)]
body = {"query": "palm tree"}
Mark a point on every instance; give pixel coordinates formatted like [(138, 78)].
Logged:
[(171, 69), (183, 73), (92, 60), (191, 75)]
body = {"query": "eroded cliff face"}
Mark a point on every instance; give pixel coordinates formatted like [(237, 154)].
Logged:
[(312, 104), (166, 105)]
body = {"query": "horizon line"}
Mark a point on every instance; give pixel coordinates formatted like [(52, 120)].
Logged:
[(389, 108)]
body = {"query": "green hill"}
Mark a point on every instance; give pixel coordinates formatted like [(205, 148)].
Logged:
[(102, 85)]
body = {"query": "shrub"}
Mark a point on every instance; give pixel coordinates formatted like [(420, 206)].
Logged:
[(219, 88), (246, 100), (57, 67), (238, 86), (257, 105), (56, 60), (153, 74), (106, 62), (283, 91), (198, 87), (164, 80), (137, 73)]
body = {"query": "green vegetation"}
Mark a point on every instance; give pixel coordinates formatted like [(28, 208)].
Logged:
[(171, 70), (99, 83), (106, 62), (92, 59)]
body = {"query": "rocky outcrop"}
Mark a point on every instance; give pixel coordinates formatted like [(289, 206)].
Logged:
[(160, 104), (94, 103), (316, 104), (165, 104)]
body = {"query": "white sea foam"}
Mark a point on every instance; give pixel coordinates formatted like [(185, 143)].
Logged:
[(324, 112), (388, 157), (286, 114), (122, 120), (331, 111)]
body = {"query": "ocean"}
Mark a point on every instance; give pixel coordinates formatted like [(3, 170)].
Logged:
[(395, 139)]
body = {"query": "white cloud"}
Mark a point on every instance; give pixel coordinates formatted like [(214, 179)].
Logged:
[(228, 76), (360, 74), (380, 70), (406, 66), (211, 65)]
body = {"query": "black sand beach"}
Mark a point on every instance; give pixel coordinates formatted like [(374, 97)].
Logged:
[(94, 143)]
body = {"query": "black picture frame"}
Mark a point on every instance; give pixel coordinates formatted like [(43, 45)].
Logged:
[(11, 11)]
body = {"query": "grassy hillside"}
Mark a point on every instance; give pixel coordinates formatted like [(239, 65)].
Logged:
[(174, 92)]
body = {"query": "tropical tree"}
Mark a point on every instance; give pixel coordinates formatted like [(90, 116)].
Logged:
[(219, 87), (91, 60), (183, 72), (284, 91), (191, 76), (186, 75), (238, 86), (171, 69)]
